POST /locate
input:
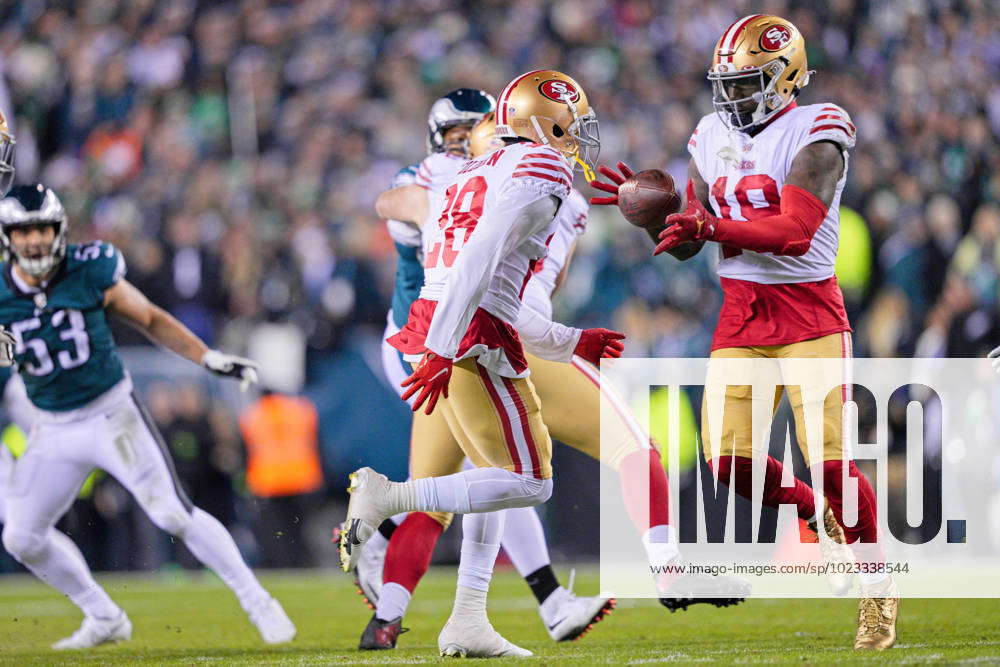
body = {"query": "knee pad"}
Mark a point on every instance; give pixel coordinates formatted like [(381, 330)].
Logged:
[(539, 490), (168, 515), (443, 518), (23, 545)]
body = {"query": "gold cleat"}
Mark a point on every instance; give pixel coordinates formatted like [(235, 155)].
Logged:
[(877, 618)]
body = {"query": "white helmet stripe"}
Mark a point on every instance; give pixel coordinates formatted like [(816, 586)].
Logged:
[(505, 93), (729, 37)]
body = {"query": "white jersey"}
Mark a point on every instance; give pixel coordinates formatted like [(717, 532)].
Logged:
[(745, 175), (481, 251), (571, 222), (438, 170), (434, 173)]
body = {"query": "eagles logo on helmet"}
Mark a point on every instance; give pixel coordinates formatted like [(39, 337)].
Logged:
[(462, 106), (27, 206)]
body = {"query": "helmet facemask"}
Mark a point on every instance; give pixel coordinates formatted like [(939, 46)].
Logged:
[(463, 106), (741, 111), (580, 142), (456, 147), (38, 265)]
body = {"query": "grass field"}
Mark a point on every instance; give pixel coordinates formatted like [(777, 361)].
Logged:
[(185, 619)]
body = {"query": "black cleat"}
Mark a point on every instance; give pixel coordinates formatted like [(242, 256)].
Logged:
[(718, 591), (381, 635)]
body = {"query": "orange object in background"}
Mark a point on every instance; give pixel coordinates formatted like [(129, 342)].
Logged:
[(281, 435)]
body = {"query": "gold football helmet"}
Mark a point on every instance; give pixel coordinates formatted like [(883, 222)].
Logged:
[(6, 156), (758, 68), (483, 137), (551, 108)]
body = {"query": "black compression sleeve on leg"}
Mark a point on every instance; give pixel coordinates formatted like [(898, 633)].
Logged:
[(543, 582)]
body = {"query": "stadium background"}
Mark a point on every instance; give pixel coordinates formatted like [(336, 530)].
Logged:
[(233, 151)]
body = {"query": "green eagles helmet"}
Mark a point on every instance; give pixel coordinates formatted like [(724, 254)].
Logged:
[(28, 205)]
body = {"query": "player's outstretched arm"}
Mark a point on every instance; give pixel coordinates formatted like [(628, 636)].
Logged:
[(406, 203), (805, 198), (125, 301), (555, 341), (655, 230)]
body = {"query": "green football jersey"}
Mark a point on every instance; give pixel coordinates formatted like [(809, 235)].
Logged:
[(65, 352)]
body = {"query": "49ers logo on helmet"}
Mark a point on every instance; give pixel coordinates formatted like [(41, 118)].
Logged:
[(775, 38), (560, 91)]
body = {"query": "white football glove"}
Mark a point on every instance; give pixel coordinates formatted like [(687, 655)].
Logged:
[(7, 344), (995, 356), (228, 365)]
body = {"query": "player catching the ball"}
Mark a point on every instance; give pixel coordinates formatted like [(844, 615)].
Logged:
[(764, 182)]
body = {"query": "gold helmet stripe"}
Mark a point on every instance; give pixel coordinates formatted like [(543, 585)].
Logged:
[(728, 42), (505, 95)]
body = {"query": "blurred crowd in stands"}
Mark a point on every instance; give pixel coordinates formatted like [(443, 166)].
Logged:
[(233, 150), (236, 148)]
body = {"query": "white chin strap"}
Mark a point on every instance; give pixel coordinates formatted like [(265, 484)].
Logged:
[(538, 130)]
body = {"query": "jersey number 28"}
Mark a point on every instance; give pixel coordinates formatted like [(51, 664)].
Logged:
[(462, 210)]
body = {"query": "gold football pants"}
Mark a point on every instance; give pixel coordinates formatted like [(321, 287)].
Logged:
[(468, 422), (737, 435)]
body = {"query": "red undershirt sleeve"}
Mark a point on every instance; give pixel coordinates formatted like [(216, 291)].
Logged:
[(788, 233)]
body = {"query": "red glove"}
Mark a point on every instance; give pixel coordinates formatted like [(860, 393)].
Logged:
[(695, 223), (432, 376), (616, 178), (596, 344)]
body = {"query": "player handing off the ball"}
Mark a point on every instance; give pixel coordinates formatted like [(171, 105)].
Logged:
[(645, 199), (764, 181)]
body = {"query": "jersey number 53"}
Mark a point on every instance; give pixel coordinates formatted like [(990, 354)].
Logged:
[(75, 333)]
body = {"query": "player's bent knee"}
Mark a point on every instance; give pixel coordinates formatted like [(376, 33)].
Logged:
[(537, 490), (171, 517), (25, 546)]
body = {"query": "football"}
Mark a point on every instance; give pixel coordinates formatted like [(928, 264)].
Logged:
[(648, 197)]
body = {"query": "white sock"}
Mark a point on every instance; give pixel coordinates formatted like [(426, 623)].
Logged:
[(660, 543), (377, 542), (870, 579), (61, 565), (478, 490), (524, 540), (469, 602), (392, 602), (212, 544), (480, 545)]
